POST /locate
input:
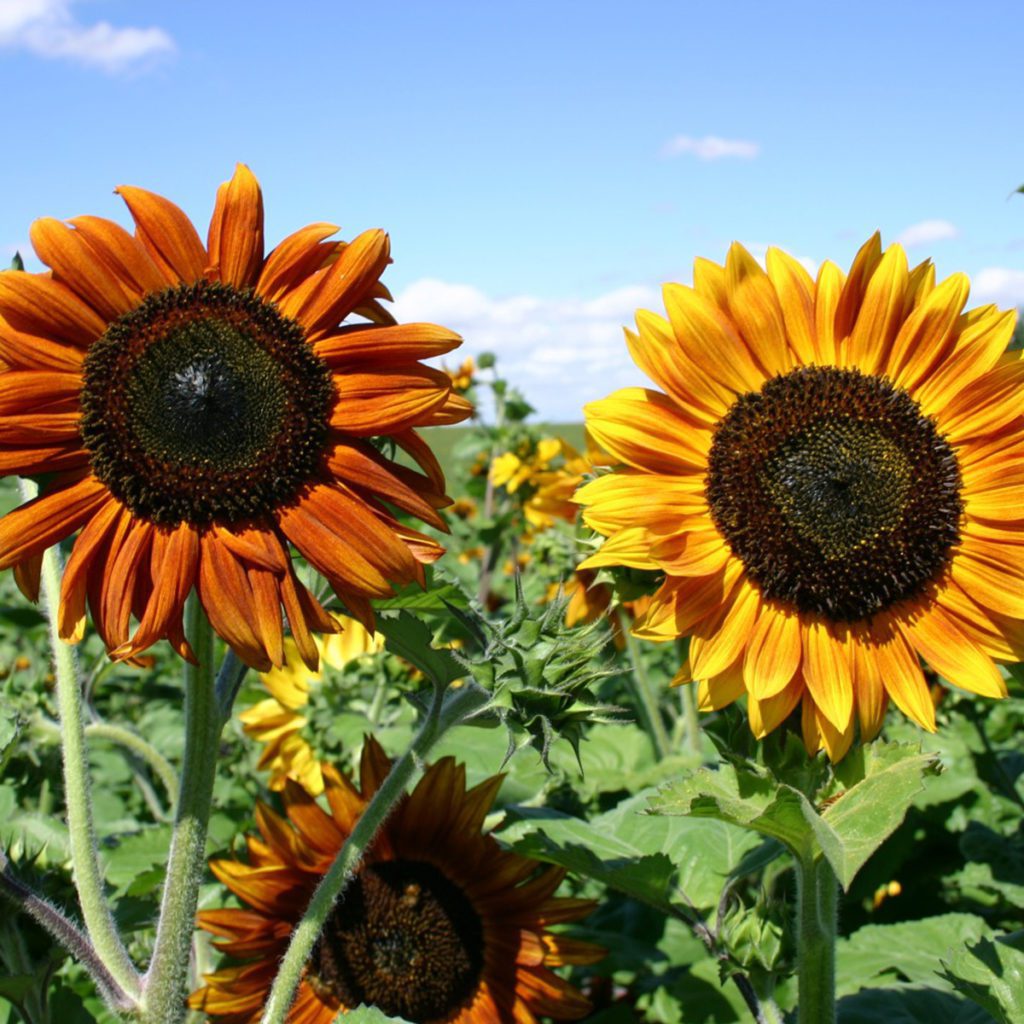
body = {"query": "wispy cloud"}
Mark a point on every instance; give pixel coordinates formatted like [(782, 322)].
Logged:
[(1001, 285), (562, 353), (48, 28), (710, 147), (927, 231)]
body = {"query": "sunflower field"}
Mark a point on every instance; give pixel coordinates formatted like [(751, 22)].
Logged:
[(333, 686)]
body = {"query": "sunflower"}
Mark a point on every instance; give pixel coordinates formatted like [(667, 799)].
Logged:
[(198, 410), (277, 722), (831, 479), (438, 924)]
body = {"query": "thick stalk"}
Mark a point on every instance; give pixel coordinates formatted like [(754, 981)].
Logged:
[(85, 864), (639, 685), (442, 716), (817, 907), (166, 983)]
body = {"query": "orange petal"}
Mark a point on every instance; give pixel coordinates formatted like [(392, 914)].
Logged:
[(293, 260), (795, 291), (880, 315), (42, 522), (37, 304), (826, 671), (74, 263), (401, 343), (235, 241), (951, 652), (754, 308), (774, 651), (389, 399), (166, 234)]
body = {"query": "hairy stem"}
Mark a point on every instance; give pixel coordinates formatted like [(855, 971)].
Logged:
[(166, 983), (88, 874), (640, 688), (443, 714), (67, 934), (817, 905)]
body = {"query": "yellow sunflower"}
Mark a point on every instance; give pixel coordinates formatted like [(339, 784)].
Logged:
[(277, 722), (831, 479), (439, 924), (199, 409)]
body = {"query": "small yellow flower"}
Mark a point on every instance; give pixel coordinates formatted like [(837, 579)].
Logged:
[(277, 722), (462, 378)]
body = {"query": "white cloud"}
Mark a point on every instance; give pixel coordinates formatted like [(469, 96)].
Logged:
[(561, 353), (1001, 285), (927, 231), (47, 28), (710, 147)]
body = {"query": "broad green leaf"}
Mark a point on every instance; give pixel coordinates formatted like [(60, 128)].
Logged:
[(910, 951), (16, 987), (991, 974), (135, 854), (882, 780), (909, 1004), (644, 856), (415, 598)]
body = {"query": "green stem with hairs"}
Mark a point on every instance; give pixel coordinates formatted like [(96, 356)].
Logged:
[(817, 908), (167, 981), (88, 873), (442, 715), (646, 705)]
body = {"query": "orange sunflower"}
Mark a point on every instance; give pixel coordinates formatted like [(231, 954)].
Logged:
[(198, 410), (438, 924), (831, 480)]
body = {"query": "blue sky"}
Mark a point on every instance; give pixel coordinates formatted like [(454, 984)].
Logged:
[(542, 167)]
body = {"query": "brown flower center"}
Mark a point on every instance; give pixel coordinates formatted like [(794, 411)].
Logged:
[(204, 403), (404, 938), (839, 496)]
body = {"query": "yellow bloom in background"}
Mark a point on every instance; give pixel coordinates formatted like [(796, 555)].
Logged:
[(832, 479), (553, 486), (277, 722), (439, 923), (462, 378)]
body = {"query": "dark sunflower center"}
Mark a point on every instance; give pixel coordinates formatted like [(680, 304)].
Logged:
[(405, 939), (838, 495), (204, 403)]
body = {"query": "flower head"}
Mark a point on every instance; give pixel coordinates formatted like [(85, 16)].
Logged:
[(438, 924), (830, 479), (199, 410), (277, 722)]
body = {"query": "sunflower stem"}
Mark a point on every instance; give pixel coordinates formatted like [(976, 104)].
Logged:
[(646, 705), (444, 713), (691, 717), (165, 986), (817, 907), (85, 863)]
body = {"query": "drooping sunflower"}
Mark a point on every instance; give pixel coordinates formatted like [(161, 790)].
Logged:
[(277, 722), (439, 924), (831, 479), (199, 409)]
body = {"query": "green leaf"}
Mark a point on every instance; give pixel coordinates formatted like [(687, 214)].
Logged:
[(412, 639), (911, 951), (991, 974), (136, 854), (907, 1004), (16, 987), (367, 1015), (642, 855), (882, 780)]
